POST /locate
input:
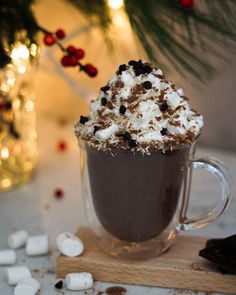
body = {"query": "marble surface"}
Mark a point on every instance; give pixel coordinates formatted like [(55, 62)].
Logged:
[(34, 208)]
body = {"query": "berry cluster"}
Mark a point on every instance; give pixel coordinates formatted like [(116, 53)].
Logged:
[(186, 3), (72, 55)]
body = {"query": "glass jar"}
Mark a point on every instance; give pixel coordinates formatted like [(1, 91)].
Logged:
[(18, 146)]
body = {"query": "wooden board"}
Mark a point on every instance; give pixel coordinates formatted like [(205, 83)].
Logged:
[(180, 267)]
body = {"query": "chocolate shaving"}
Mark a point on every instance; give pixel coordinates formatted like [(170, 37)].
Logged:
[(83, 119), (110, 105), (105, 88)]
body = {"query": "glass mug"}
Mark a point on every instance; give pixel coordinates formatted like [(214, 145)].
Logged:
[(136, 204)]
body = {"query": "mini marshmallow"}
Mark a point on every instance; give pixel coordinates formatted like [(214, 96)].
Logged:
[(69, 245), (27, 286), (107, 132), (180, 92), (7, 257), (15, 274), (79, 281), (37, 245), (18, 239)]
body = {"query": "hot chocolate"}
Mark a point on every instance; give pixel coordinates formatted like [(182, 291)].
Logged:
[(137, 136)]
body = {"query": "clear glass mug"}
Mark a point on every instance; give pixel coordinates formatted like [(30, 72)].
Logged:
[(136, 204)]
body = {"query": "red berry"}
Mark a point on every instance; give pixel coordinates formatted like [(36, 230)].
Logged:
[(62, 145), (60, 34), (65, 61), (71, 49), (79, 53), (186, 3), (58, 193), (90, 70), (49, 40), (73, 61)]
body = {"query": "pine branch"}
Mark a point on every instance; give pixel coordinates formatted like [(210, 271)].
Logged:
[(182, 35)]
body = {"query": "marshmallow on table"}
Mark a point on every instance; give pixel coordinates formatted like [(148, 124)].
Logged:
[(15, 274), (79, 281), (27, 286), (18, 239), (37, 245), (69, 245), (7, 257)]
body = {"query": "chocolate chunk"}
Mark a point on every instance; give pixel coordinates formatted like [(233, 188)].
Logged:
[(83, 119), (59, 285), (222, 253), (96, 128), (147, 85), (138, 71), (132, 143), (127, 136), (132, 63), (139, 64), (164, 131), (164, 106), (104, 101), (147, 69), (122, 109), (122, 68), (105, 88)]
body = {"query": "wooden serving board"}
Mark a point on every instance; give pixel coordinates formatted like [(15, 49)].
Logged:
[(180, 267)]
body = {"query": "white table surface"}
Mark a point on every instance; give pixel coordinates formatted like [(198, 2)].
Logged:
[(34, 208)]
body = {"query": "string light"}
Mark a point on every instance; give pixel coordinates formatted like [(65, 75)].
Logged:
[(115, 4), (4, 153), (20, 57)]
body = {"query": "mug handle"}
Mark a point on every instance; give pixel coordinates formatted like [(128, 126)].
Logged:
[(221, 172)]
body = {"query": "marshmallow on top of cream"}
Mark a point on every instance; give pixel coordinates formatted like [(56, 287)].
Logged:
[(138, 109)]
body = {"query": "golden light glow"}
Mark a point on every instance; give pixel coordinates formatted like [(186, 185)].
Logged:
[(6, 182), (4, 153), (119, 19), (29, 106), (20, 57), (20, 52), (10, 77), (33, 49), (115, 4)]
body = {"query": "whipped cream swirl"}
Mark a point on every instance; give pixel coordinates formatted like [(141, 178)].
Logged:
[(138, 109)]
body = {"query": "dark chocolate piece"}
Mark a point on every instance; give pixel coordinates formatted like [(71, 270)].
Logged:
[(59, 285), (221, 252), (103, 101), (164, 106), (147, 85), (83, 119), (122, 109), (138, 71), (105, 88), (164, 131), (147, 69), (122, 68), (96, 128), (132, 143), (132, 63)]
